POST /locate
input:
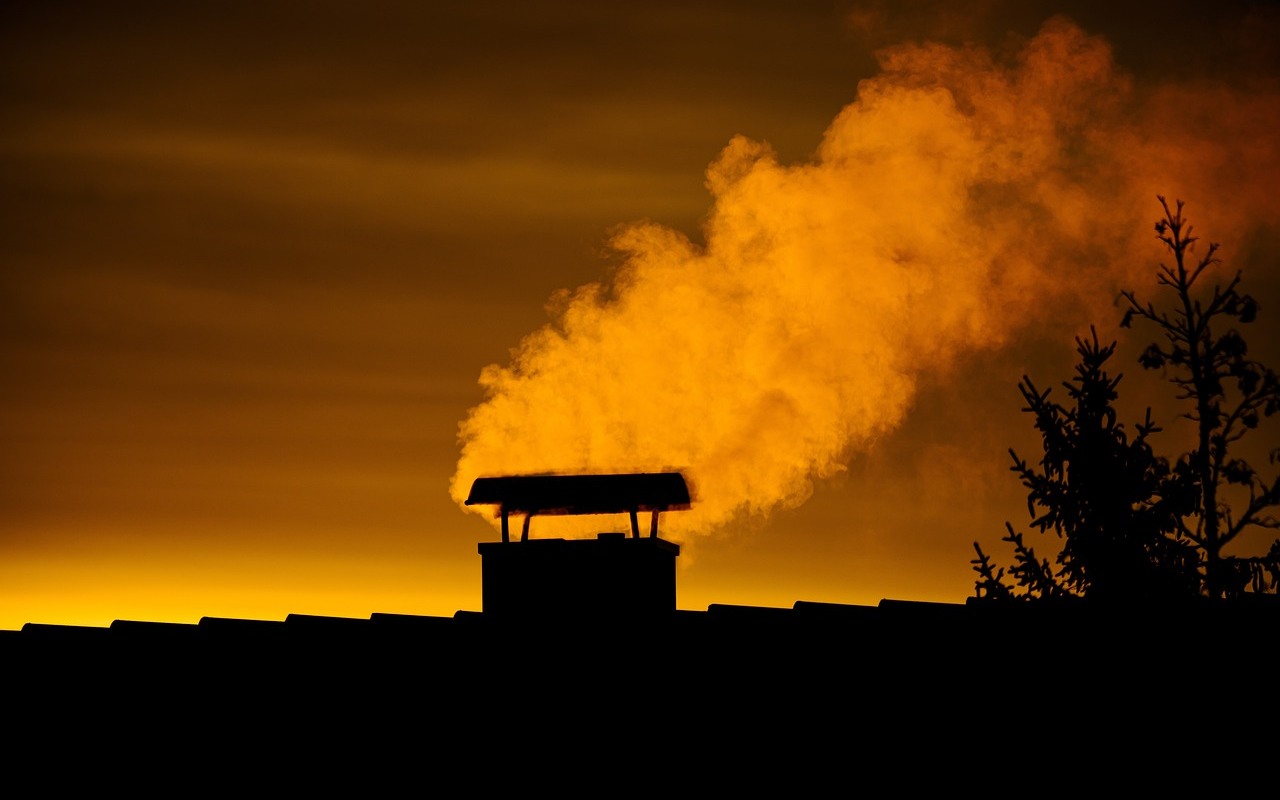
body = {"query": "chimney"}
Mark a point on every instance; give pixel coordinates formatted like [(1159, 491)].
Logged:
[(615, 575)]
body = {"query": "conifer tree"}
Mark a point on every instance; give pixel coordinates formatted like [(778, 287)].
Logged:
[(1102, 492), (1229, 395)]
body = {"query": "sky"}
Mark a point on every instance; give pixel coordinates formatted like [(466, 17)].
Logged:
[(280, 279)]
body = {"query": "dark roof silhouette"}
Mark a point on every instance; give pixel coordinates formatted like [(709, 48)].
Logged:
[(583, 649), (818, 688)]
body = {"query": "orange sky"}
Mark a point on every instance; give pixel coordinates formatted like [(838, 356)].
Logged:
[(256, 264)]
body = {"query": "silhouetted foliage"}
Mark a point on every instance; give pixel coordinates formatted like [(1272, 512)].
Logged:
[(1107, 496), (1229, 394), (1135, 526)]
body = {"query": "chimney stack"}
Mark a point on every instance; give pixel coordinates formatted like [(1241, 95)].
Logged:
[(615, 575)]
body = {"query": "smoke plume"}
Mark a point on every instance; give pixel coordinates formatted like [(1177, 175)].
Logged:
[(960, 198)]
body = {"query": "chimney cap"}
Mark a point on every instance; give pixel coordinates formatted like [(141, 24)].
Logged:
[(582, 494)]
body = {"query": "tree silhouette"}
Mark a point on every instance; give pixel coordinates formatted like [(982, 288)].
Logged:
[(1134, 526), (1228, 393), (1107, 496)]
